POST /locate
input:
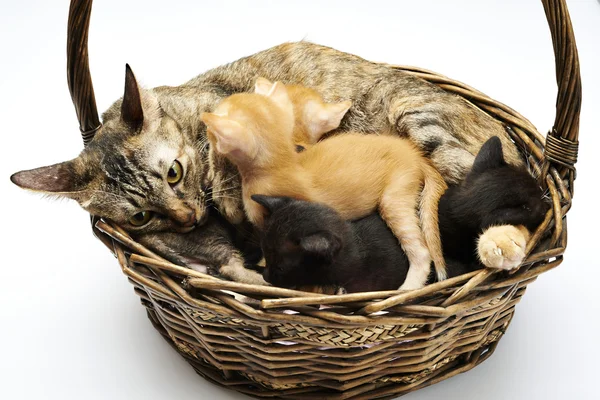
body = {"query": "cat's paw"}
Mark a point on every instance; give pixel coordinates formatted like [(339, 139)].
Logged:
[(340, 290), (503, 247), (237, 272), (198, 267), (411, 285), (417, 275)]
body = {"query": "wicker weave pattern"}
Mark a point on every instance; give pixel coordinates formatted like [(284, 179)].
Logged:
[(280, 343)]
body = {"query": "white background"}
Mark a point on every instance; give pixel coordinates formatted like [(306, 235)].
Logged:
[(71, 326)]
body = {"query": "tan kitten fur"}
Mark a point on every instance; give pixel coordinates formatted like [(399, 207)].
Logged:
[(353, 173), (503, 247)]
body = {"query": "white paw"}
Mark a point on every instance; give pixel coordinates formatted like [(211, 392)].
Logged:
[(417, 275), (411, 286), (502, 247), (238, 273), (340, 290)]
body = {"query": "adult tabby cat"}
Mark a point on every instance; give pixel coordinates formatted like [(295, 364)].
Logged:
[(148, 168)]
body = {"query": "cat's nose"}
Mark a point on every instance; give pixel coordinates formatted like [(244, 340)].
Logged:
[(184, 217)]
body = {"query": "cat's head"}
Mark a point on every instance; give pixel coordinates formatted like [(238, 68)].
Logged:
[(139, 171), (252, 129), (496, 193), (300, 241), (313, 117)]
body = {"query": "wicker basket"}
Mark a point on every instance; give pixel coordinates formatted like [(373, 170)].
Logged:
[(290, 344)]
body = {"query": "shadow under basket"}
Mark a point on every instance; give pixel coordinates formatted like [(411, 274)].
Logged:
[(278, 343)]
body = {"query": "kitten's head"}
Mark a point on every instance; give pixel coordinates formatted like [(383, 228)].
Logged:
[(495, 193), (139, 171), (313, 117), (300, 241), (252, 129)]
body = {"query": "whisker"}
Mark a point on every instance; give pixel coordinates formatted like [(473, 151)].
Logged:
[(225, 189), (225, 197), (230, 178), (204, 146)]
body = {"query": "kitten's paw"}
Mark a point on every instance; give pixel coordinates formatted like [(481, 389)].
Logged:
[(340, 290), (503, 247), (411, 285), (417, 275)]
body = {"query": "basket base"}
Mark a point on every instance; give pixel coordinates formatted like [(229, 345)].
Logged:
[(383, 388)]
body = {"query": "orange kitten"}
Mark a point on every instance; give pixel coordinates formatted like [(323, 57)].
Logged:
[(354, 174)]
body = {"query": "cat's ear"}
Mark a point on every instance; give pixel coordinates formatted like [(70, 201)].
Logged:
[(279, 94), (63, 179), (489, 156), (323, 245), (262, 86), (322, 117), (270, 203), (132, 113), (229, 137)]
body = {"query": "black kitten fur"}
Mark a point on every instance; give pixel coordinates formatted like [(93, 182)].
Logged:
[(493, 193), (307, 244)]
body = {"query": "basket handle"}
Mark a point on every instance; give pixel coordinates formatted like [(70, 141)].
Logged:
[(562, 141), (78, 69)]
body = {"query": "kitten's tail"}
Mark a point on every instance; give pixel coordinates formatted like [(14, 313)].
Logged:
[(433, 188)]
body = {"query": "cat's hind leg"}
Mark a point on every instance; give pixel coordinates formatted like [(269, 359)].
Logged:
[(398, 207)]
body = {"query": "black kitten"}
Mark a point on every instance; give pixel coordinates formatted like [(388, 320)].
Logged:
[(492, 194), (307, 244)]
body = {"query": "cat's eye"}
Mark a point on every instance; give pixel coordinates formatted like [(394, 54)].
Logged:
[(140, 218), (175, 173)]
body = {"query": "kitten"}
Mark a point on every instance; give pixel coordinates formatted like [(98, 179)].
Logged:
[(363, 173), (310, 245), (502, 201), (127, 173)]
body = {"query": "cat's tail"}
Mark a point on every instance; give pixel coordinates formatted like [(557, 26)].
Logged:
[(433, 188)]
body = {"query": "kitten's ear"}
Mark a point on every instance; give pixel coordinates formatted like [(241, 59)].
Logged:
[(489, 156), (262, 86), (322, 118), (270, 203), (131, 108), (62, 179), (229, 137), (279, 94), (323, 245)]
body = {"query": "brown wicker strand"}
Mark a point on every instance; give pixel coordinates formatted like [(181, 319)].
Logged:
[(78, 69), (568, 78)]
